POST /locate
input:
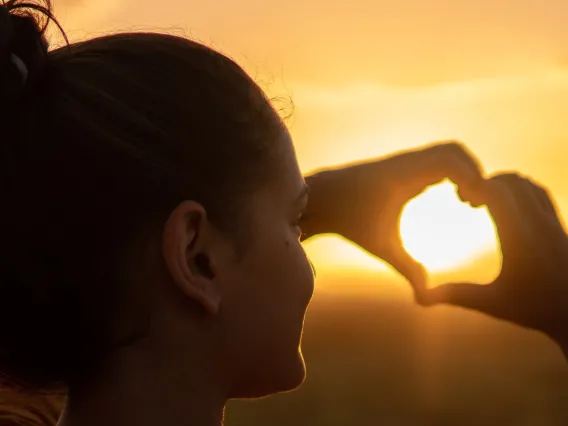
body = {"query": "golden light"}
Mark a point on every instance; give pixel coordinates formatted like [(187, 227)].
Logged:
[(443, 233), (333, 252)]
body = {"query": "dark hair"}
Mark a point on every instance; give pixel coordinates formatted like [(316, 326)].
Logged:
[(18, 408), (98, 146)]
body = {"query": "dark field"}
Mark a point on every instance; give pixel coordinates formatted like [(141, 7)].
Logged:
[(379, 360)]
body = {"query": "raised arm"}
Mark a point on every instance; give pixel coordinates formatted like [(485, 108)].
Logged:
[(363, 203)]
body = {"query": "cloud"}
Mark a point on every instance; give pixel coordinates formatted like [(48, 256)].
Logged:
[(512, 122), (408, 42)]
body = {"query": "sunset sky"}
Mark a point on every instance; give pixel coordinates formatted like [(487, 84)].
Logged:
[(371, 77)]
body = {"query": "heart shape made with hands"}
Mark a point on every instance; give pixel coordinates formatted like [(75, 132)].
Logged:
[(451, 239)]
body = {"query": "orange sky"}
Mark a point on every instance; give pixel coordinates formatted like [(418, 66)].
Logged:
[(370, 77)]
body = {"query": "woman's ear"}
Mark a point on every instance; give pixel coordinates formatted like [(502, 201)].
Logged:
[(189, 249)]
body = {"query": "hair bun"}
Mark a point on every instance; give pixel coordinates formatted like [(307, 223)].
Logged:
[(23, 46)]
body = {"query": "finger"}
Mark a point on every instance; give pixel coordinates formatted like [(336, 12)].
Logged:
[(529, 196), (541, 222), (534, 204), (461, 162), (438, 162), (390, 249), (501, 194), (543, 198), (411, 269), (478, 297), (550, 209)]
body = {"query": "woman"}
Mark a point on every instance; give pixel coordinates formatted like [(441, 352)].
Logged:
[(153, 212)]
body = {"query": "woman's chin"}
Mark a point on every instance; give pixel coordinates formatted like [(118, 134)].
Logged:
[(280, 379), (294, 378)]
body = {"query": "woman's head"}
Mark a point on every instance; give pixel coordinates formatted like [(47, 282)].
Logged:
[(150, 193)]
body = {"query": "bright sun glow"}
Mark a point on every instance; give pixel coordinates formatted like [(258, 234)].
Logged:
[(443, 233)]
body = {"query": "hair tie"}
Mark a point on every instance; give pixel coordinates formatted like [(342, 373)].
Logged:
[(21, 66)]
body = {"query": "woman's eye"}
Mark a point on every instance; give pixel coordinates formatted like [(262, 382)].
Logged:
[(298, 225)]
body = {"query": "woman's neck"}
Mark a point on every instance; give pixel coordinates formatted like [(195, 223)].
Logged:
[(136, 391)]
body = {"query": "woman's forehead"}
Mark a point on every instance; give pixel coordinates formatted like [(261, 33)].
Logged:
[(291, 173)]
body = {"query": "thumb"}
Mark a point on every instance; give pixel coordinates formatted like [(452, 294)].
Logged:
[(410, 269), (478, 297)]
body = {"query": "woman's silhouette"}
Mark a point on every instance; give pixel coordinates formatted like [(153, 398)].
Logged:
[(152, 213)]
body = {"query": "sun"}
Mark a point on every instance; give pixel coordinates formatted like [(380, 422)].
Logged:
[(443, 233)]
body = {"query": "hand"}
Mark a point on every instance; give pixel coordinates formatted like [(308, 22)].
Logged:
[(364, 202), (532, 289)]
